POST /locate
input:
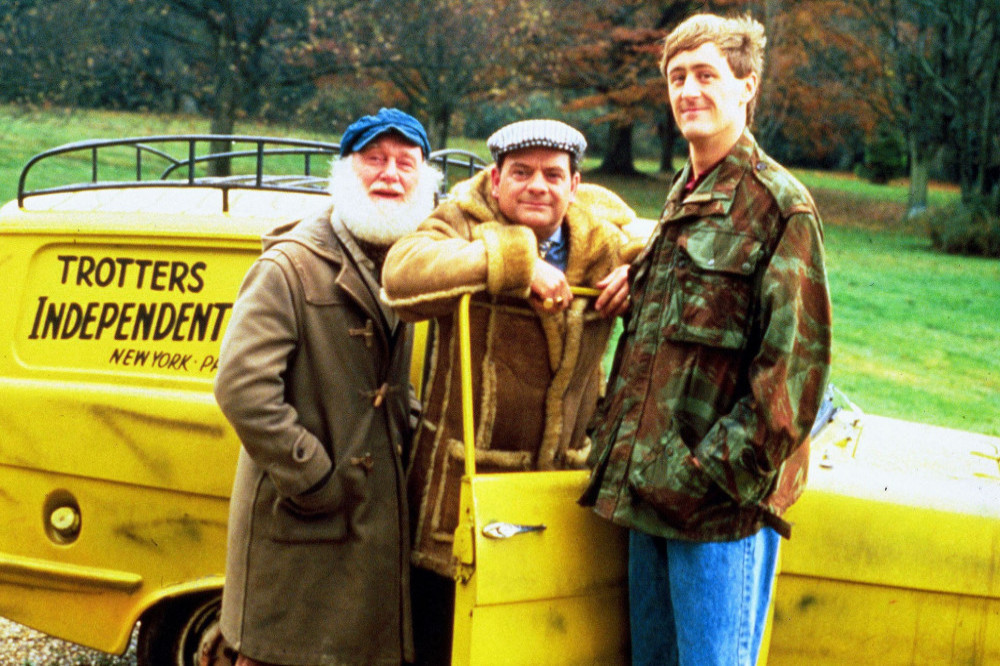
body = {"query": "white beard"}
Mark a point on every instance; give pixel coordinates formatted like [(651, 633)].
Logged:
[(380, 222)]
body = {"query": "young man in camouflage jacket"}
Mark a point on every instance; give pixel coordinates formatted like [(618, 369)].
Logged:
[(701, 443)]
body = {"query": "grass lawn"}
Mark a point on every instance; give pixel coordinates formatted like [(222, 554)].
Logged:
[(916, 333)]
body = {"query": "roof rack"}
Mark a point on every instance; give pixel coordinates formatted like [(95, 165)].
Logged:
[(182, 161), (467, 164)]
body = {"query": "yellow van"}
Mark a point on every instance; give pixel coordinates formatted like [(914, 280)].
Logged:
[(116, 465)]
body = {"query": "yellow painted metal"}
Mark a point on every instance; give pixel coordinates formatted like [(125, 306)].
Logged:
[(831, 622), (585, 291), (155, 438), (895, 550), (553, 592), (574, 631), (575, 552), (464, 550), (115, 462), (916, 506), (136, 545), (69, 577), (465, 358), (421, 333), (552, 596), (189, 212)]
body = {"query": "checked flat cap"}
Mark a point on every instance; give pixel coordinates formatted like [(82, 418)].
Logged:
[(538, 134)]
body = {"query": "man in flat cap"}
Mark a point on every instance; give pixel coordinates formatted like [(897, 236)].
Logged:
[(314, 378), (525, 228)]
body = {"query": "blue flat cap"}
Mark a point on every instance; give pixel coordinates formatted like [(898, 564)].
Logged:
[(366, 128), (538, 134)]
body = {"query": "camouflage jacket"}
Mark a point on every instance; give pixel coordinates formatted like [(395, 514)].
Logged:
[(723, 360)]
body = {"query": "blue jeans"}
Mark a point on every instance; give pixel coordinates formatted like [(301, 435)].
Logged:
[(699, 604)]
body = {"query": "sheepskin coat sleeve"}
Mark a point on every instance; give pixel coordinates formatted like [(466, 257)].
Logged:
[(468, 246)]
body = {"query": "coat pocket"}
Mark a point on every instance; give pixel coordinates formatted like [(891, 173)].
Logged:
[(668, 480), (714, 278), (290, 526), (321, 515)]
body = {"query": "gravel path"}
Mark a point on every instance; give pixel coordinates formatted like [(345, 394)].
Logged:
[(20, 646)]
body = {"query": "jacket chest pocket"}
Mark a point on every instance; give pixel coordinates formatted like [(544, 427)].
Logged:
[(713, 273)]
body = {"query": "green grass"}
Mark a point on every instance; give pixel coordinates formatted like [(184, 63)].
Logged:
[(895, 191), (916, 333)]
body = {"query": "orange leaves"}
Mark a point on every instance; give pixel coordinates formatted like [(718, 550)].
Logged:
[(611, 57)]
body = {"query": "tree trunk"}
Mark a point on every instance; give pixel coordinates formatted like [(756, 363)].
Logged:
[(227, 95), (222, 123), (618, 158), (667, 131), (439, 126), (919, 179)]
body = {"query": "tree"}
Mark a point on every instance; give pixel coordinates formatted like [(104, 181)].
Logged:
[(942, 74), (440, 53), (229, 55), (619, 68), (610, 57), (811, 106), (46, 50)]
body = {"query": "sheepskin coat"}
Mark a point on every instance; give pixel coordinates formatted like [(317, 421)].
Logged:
[(314, 377), (536, 377)]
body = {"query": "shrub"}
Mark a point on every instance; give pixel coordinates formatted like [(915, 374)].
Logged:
[(965, 228), (885, 155)]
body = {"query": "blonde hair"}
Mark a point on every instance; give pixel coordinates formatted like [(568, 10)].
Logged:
[(740, 39)]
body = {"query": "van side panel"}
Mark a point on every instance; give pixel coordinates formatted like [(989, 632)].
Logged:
[(134, 545), (115, 462)]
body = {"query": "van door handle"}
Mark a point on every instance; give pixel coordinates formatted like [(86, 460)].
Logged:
[(500, 530)]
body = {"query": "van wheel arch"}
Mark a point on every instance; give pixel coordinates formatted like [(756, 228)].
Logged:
[(184, 632)]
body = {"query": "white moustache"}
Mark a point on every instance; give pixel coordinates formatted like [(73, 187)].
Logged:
[(383, 186)]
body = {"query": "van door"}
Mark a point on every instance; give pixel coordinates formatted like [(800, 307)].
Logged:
[(542, 579)]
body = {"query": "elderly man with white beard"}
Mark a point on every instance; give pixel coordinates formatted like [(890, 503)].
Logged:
[(314, 378)]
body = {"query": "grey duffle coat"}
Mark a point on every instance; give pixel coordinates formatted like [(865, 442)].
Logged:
[(313, 376)]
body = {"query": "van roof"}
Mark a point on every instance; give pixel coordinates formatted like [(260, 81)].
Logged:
[(159, 210)]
